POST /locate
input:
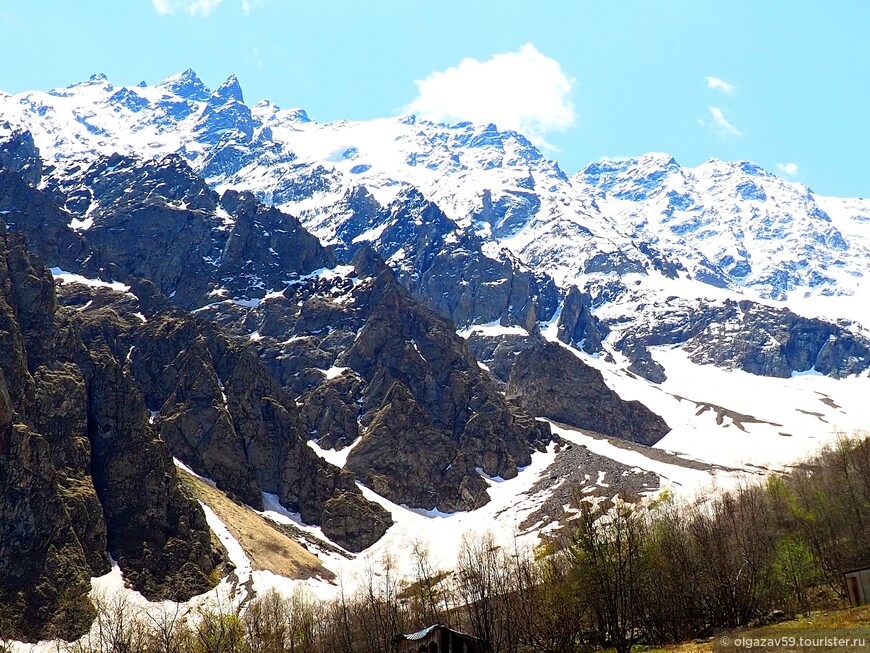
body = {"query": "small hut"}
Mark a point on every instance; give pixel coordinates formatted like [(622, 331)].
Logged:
[(858, 584), (439, 639)]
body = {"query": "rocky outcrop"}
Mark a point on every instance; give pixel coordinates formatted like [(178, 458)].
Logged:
[(550, 382), (577, 325), (377, 369), (640, 359), (220, 411), (443, 266), (547, 380), (331, 411), (82, 474), (214, 403), (431, 415), (158, 220), (18, 152), (265, 247), (752, 337), (46, 227), (226, 116)]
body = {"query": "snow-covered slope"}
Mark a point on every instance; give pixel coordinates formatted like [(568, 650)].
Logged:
[(735, 224)]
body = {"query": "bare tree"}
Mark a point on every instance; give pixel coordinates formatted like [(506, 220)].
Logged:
[(483, 588), (608, 554), (118, 628), (431, 597), (167, 628)]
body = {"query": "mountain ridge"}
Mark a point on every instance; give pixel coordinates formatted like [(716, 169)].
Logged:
[(501, 187)]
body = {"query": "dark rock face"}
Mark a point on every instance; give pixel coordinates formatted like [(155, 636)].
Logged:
[(660, 261), (510, 212), (421, 414), (82, 473), (443, 266), (265, 246), (331, 411), (221, 412), (577, 325), (499, 353), (45, 226), (228, 156), (157, 220), (432, 416), (546, 380), (755, 338), (226, 116), (215, 404), (617, 262), (424, 419), (18, 152), (640, 359), (45, 575), (156, 532), (549, 381)]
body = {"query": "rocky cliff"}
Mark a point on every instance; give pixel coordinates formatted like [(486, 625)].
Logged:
[(83, 474), (250, 269), (746, 335), (220, 410), (377, 370), (548, 380), (443, 266)]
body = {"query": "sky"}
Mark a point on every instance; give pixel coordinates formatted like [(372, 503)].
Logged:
[(783, 84)]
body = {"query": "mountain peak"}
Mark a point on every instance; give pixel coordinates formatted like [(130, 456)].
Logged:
[(230, 90), (188, 85), (718, 167), (647, 172), (97, 79)]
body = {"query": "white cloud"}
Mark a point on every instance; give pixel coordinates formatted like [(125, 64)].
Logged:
[(525, 91), (257, 58), (790, 169), (192, 7), (249, 5), (722, 123), (719, 85)]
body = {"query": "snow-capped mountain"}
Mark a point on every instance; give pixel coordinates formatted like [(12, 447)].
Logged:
[(483, 228), (476, 221), (734, 224), (731, 225), (399, 299)]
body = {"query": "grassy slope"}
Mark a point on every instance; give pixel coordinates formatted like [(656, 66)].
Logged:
[(267, 547), (854, 619)]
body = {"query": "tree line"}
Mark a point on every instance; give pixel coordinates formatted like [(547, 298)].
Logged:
[(652, 572)]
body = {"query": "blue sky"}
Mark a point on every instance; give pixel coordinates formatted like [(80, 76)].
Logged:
[(784, 84)]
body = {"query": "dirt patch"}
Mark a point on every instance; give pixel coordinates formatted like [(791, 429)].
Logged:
[(818, 416), (578, 473), (827, 400), (738, 419), (269, 546)]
